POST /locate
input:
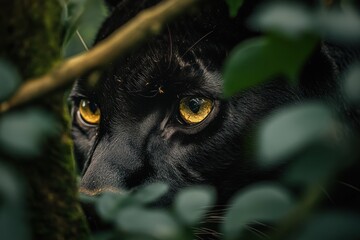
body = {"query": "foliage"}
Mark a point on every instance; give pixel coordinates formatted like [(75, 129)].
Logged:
[(83, 19), (234, 6), (260, 202), (308, 135), (12, 209), (10, 79), (261, 59)]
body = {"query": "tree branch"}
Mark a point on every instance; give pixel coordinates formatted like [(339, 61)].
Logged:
[(147, 23)]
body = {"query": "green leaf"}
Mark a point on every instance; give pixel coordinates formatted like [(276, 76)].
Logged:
[(315, 165), (88, 20), (339, 25), (261, 202), (191, 204), (23, 133), (72, 12), (351, 87), (156, 224), (294, 19), (293, 129), (234, 6), (87, 199), (332, 225), (108, 205), (150, 193), (257, 60), (10, 188), (9, 80), (288, 19), (13, 225)]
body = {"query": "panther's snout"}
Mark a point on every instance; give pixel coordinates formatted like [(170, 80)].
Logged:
[(99, 191)]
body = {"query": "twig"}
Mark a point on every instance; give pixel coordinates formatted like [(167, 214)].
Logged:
[(82, 40), (147, 23)]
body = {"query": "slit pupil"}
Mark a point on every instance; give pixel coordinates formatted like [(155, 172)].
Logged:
[(92, 107), (195, 104)]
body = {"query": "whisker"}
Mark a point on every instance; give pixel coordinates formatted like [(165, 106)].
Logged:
[(223, 205), (217, 217), (198, 237), (212, 218), (326, 194), (213, 221), (192, 46), (171, 46), (212, 231), (257, 232), (349, 186), (203, 230), (151, 49), (263, 224), (219, 210)]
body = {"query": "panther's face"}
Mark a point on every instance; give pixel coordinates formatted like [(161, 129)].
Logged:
[(159, 114)]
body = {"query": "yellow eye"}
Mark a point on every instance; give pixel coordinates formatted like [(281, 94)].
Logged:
[(89, 112), (195, 109)]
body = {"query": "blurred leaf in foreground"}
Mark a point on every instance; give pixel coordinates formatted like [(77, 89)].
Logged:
[(257, 203), (287, 19), (108, 204), (257, 60), (9, 80), (13, 224), (148, 224), (352, 85), (23, 133), (294, 128), (192, 203), (339, 25), (316, 165), (150, 193), (234, 6)]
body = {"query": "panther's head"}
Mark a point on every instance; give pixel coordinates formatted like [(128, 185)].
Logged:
[(159, 113)]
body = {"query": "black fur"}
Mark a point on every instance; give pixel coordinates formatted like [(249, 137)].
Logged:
[(140, 139)]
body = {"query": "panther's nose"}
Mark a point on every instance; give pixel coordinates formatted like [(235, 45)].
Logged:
[(99, 191)]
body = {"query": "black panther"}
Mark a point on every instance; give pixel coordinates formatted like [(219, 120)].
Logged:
[(159, 115)]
